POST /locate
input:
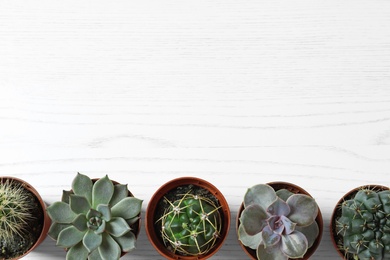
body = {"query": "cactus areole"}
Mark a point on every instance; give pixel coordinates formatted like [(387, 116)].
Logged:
[(361, 224), (185, 220)]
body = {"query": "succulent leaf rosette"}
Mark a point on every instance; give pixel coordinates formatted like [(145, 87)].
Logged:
[(364, 225), (278, 225), (92, 221)]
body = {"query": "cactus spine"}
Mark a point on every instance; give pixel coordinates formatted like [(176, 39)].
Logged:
[(364, 225), (191, 225), (14, 209)]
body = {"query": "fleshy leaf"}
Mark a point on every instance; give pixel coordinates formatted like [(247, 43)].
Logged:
[(270, 253), (289, 226), (131, 221), (120, 192), (102, 191), (303, 208), (102, 227), (69, 237), (127, 208), (275, 223), (253, 218), (56, 228), (284, 194), (117, 227), (92, 240), (294, 245), (60, 212), (80, 222), (65, 196), (109, 249), (279, 208), (127, 242), (82, 185), (270, 239), (311, 232), (261, 194), (248, 240), (77, 252), (95, 255), (105, 210), (79, 204)]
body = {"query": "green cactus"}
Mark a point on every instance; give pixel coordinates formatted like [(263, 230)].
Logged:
[(191, 225), (93, 221), (14, 210), (364, 225)]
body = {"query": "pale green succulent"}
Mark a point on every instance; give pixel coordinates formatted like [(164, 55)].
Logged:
[(93, 220), (278, 225)]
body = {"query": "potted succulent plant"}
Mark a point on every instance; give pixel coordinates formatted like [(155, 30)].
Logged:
[(279, 221), (187, 218), (360, 223), (23, 219), (97, 219)]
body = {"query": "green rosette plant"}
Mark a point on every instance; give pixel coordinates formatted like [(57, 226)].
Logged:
[(278, 225), (191, 225), (364, 225), (93, 220)]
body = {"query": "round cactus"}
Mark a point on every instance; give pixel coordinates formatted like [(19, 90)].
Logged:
[(191, 225), (364, 225), (15, 210)]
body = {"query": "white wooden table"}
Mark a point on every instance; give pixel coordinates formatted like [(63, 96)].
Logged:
[(234, 92)]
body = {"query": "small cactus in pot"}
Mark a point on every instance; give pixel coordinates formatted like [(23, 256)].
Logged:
[(361, 224), (23, 219), (278, 225), (191, 225), (94, 219)]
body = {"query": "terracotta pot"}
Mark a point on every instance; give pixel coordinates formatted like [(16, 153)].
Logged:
[(337, 212), (294, 189), (151, 216), (45, 218)]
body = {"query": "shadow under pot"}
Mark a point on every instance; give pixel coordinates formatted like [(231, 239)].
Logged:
[(279, 220), (96, 219), (360, 223), (23, 219), (187, 218)]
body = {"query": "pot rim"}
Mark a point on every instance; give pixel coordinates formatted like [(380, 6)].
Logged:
[(336, 210), (168, 186), (46, 219), (310, 251)]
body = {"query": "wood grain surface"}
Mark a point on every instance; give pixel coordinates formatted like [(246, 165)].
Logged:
[(234, 92)]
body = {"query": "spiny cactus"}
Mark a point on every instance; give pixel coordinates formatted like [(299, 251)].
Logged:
[(14, 209), (364, 225), (94, 219), (191, 225), (278, 225)]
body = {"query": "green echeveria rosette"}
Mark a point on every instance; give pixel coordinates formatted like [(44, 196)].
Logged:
[(278, 225), (364, 225), (191, 225), (94, 219)]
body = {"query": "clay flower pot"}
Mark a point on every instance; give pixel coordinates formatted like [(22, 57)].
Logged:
[(337, 222), (159, 204), (35, 229), (296, 190)]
